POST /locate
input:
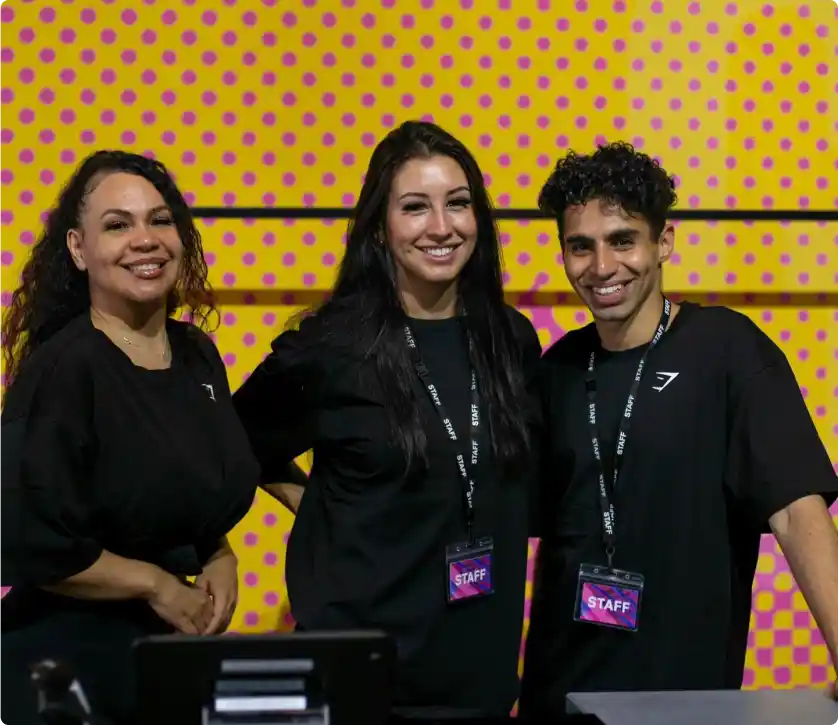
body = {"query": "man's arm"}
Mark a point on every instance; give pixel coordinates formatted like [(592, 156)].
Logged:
[(780, 470), (809, 539)]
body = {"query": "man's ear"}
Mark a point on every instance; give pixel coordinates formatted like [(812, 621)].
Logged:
[(666, 243)]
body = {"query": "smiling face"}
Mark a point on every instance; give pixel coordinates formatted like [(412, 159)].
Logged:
[(612, 259), (127, 242), (431, 224)]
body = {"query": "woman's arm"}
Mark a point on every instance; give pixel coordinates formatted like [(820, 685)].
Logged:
[(289, 492), (276, 406), (48, 464), (112, 577), (219, 579)]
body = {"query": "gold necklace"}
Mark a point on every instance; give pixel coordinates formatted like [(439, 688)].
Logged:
[(167, 351)]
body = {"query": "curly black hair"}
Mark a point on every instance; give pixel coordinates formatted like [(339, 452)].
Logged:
[(616, 174), (53, 291)]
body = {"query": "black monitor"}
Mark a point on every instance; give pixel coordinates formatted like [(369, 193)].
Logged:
[(331, 677)]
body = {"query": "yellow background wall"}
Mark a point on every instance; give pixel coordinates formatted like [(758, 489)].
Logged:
[(280, 103)]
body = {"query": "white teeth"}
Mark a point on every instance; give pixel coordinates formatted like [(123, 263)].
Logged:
[(438, 251), (145, 267), (608, 290)]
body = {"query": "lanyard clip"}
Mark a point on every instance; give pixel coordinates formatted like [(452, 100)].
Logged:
[(609, 552)]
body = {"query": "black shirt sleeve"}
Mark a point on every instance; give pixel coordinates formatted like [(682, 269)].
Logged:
[(544, 495), (531, 349), (775, 453), (276, 406), (240, 470), (560, 363), (48, 443), (534, 413), (221, 386)]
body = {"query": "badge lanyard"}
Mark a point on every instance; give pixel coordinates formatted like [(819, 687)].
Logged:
[(465, 476), (608, 518)]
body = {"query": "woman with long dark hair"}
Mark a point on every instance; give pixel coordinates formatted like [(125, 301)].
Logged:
[(413, 385), (124, 463)]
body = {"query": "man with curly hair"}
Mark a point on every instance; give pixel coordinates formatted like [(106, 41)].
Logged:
[(677, 435)]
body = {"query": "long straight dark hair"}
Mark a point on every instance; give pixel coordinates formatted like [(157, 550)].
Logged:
[(364, 310)]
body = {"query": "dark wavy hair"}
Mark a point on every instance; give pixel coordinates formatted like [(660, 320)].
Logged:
[(53, 291), (617, 175), (364, 309)]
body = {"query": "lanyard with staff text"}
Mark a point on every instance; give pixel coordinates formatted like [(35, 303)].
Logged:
[(608, 518), (466, 478)]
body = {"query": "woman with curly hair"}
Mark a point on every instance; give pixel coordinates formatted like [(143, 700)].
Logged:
[(124, 464)]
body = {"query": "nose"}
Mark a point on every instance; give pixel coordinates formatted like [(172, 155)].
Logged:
[(144, 238), (605, 261), (439, 225)]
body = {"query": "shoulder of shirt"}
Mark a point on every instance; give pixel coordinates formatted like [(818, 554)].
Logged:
[(62, 361), (306, 350), (742, 340), (728, 341), (200, 352), (319, 341), (519, 321), (71, 348), (571, 345), (723, 319), (302, 341), (522, 327), (193, 334)]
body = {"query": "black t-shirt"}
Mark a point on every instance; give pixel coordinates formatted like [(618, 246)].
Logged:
[(367, 549), (101, 454), (720, 440)]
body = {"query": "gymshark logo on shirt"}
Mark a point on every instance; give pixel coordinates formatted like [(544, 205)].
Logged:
[(209, 389), (664, 379)]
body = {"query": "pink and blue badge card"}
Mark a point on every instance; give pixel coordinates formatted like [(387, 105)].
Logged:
[(469, 570), (609, 597)]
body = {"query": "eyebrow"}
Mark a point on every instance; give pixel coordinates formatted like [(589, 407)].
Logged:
[(616, 234), (425, 196), (124, 213)]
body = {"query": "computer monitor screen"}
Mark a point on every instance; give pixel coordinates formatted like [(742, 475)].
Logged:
[(333, 677)]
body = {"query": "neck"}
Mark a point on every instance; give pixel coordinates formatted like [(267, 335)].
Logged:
[(637, 330), (139, 324), (429, 302)]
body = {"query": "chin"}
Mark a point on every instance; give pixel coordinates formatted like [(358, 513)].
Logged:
[(612, 313), (147, 302), (147, 294), (438, 276)]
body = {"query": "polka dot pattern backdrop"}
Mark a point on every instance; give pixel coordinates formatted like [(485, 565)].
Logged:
[(280, 104)]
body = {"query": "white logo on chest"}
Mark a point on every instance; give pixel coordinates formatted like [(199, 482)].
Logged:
[(664, 379)]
